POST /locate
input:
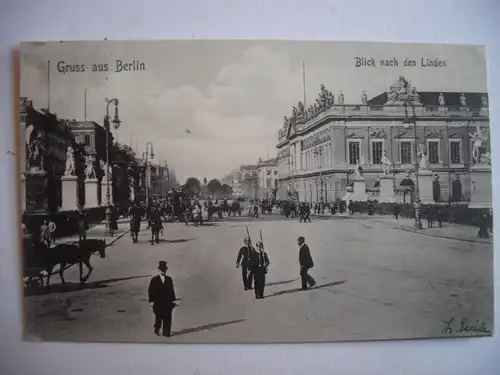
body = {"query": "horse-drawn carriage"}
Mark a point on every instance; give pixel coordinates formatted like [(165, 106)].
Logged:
[(40, 259)]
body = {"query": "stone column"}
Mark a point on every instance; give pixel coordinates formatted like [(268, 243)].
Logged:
[(481, 195), (23, 193), (359, 190), (69, 193), (386, 189), (425, 187), (91, 193), (104, 199)]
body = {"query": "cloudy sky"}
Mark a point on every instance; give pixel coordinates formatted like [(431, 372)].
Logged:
[(231, 95)]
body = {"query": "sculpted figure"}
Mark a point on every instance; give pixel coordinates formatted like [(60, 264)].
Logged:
[(364, 98), (478, 140), (89, 168), (358, 172), (441, 99), (70, 162), (423, 163), (463, 101), (386, 163), (484, 101), (341, 98)]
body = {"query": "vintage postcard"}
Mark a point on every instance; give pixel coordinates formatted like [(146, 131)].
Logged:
[(246, 191)]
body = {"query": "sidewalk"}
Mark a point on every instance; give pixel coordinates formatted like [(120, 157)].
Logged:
[(449, 231), (96, 231)]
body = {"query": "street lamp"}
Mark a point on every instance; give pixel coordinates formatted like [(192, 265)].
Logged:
[(116, 124), (413, 121), (148, 155)]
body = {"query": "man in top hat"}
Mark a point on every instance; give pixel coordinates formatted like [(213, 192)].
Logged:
[(162, 299), (244, 260), (306, 263), (260, 264)]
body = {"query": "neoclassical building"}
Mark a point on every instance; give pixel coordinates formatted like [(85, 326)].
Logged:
[(268, 178), (319, 146)]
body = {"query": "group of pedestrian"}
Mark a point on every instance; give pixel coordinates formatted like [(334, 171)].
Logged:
[(254, 264)]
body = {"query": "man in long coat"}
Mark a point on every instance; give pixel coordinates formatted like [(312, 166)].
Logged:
[(306, 263), (162, 299), (260, 263), (244, 260)]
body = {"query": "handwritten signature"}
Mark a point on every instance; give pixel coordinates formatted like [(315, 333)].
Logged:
[(464, 326)]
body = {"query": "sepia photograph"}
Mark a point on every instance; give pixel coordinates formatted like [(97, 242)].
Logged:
[(254, 191)]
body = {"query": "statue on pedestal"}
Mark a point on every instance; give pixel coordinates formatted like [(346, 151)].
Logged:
[(341, 98), (36, 151), (358, 172), (364, 98), (423, 163), (478, 141), (89, 168), (463, 101), (107, 172), (386, 163), (441, 100), (70, 162)]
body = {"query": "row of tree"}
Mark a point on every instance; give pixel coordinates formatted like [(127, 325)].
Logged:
[(214, 186)]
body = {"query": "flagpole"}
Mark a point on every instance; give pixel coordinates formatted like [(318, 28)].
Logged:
[(48, 86), (304, 82)]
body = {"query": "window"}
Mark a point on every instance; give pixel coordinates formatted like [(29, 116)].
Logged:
[(433, 151), (455, 151), (87, 140), (377, 147), (406, 154), (354, 153)]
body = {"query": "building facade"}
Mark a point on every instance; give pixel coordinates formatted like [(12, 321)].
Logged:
[(249, 181), (267, 171), (320, 147)]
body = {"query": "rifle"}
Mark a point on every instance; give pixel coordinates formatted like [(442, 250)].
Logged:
[(262, 242), (248, 235)]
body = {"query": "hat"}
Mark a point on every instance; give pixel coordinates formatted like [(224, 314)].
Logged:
[(301, 238), (162, 265)]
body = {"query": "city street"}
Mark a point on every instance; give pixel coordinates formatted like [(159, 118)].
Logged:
[(375, 280)]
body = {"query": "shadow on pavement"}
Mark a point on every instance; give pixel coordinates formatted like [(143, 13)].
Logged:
[(180, 240), (206, 327), (282, 282), (73, 287), (300, 289)]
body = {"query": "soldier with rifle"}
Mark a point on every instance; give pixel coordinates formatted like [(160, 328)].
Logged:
[(244, 259), (260, 264)]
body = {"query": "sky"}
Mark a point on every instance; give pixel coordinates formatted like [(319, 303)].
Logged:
[(210, 106)]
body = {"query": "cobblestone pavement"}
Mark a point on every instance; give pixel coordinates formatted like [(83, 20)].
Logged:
[(374, 281)]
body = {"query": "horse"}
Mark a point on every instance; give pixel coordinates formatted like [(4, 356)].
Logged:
[(65, 255)]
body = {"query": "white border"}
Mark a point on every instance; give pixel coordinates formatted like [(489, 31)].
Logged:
[(466, 22)]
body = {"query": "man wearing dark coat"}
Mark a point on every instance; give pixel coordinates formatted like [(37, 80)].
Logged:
[(260, 263), (162, 299), (244, 260), (306, 263), (436, 189), (456, 189)]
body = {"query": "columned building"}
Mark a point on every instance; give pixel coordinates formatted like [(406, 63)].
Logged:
[(320, 146)]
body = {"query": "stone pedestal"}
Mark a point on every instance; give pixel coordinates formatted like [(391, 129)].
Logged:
[(425, 187), (22, 187), (104, 199), (91, 193), (35, 196), (359, 190), (481, 195), (386, 189), (69, 193)]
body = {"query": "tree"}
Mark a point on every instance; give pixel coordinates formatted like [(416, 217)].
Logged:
[(214, 186), (226, 190), (192, 186)]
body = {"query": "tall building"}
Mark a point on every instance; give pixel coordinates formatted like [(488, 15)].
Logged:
[(249, 181), (320, 146), (267, 171)]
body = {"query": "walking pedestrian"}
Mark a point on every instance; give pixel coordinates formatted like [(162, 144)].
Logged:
[(260, 264), (430, 217), (52, 231), (244, 259), (306, 263), (395, 211), (44, 233), (162, 299)]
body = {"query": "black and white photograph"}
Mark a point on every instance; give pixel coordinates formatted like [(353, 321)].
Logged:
[(254, 191)]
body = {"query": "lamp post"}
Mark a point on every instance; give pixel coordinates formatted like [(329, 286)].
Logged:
[(413, 121), (116, 123), (148, 155)]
